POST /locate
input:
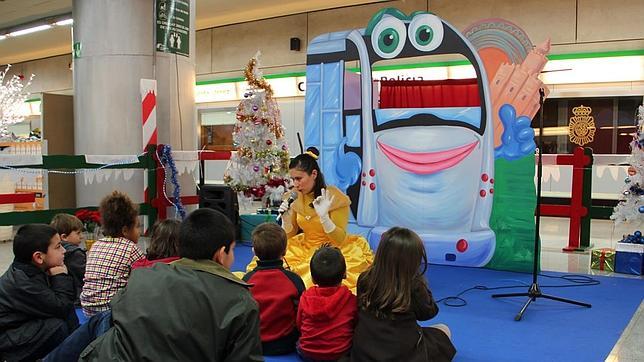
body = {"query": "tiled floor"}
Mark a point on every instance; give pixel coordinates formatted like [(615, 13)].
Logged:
[(554, 235)]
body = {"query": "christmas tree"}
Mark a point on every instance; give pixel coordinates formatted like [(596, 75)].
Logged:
[(12, 99), (630, 208), (262, 155)]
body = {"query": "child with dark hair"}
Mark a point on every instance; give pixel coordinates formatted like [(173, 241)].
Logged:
[(110, 262), (327, 313), (164, 244), (194, 309), (392, 295), (276, 290), (69, 227), (36, 296)]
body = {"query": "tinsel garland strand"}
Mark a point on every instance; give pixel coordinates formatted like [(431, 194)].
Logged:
[(168, 161), (249, 74), (257, 81)]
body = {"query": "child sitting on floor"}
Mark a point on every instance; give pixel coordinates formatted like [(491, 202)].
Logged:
[(392, 295), (36, 296), (327, 313), (164, 244), (194, 309), (110, 262), (69, 227), (276, 290)]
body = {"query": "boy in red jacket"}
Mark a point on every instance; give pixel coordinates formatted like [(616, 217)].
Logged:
[(327, 312), (276, 290)]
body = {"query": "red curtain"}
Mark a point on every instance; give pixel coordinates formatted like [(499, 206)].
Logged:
[(429, 93)]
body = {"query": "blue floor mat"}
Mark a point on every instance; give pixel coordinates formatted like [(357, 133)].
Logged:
[(485, 329)]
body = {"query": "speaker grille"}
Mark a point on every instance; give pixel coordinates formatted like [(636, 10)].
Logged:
[(223, 199)]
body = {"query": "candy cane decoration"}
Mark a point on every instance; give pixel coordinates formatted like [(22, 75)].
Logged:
[(149, 111), (148, 88)]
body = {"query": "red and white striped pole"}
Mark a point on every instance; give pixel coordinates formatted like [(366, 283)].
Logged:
[(149, 111), (148, 88)]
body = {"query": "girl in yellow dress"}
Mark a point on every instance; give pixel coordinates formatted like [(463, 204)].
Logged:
[(322, 213)]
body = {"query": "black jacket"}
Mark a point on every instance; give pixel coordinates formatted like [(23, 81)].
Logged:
[(185, 311), (75, 259), (33, 305), (400, 338)]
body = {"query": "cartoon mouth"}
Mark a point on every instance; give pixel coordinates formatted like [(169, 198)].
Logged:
[(425, 163)]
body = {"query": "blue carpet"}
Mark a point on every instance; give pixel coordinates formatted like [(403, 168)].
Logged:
[(485, 330)]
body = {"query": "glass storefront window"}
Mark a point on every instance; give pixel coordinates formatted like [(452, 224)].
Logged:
[(216, 129), (615, 120)]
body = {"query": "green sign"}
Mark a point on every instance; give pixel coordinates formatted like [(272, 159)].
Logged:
[(76, 50), (173, 26)]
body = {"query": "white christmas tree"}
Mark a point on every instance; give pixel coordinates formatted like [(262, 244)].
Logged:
[(12, 99), (262, 155), (630, 208)]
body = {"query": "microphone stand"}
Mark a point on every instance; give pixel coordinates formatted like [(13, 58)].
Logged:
[(534, 291)]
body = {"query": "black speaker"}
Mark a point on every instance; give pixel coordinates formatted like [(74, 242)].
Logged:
[(223, 199), (295, 44)]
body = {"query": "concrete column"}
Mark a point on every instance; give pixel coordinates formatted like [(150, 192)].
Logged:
[(176, 114), (176, 79), (116, 40)]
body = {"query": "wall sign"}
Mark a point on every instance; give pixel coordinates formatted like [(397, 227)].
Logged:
[(173, 26)]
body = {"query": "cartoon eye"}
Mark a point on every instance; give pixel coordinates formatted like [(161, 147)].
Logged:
[(388, 37), (426, 32)]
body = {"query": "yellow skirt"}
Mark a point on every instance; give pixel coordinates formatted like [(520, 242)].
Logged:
[(299, 250)]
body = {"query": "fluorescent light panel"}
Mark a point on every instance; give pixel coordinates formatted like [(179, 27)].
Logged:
[(29, 30), (618, 127), (553, 131), (64, 22)]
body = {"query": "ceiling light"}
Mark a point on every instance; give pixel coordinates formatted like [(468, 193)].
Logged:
[(29, 30), (64, 22)]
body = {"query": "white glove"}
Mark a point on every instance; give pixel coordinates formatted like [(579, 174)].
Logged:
[(287, 216), (322, 204)]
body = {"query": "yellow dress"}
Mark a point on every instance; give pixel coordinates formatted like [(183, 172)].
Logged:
[(300, 247)]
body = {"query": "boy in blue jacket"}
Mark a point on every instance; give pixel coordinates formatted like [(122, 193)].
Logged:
[(69, 228)]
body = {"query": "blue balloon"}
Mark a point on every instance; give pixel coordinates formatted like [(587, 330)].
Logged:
[(638, 233), (641, 209), (518, 136)]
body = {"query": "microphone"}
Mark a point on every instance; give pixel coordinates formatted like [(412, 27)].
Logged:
[(292, 197)]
